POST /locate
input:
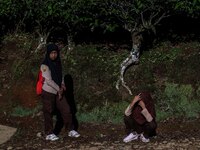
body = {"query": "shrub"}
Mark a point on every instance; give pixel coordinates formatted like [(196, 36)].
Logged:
[(108, 113), (177, 101)]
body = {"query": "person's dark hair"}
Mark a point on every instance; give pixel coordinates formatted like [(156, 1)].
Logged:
[(69, 94), (69, 82), (146, 96)]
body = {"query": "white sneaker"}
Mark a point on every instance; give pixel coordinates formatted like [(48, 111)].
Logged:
[(73, 133), (131, 137), (143, 139), (52, 137)]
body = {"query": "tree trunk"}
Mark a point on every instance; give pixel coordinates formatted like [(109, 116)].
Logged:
[(70, 42), (133, 58), (136, 42), (42, 41)]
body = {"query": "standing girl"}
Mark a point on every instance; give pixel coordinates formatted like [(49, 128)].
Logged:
[(52, 91)]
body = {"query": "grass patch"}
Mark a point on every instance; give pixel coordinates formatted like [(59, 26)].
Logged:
[(161, 115), (108, 113), (20, 111), (162, 53), (176, 101)]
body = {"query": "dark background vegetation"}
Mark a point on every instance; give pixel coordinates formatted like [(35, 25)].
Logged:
[(168, 66)]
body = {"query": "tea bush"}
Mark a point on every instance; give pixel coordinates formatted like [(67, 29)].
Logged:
[(177, 101)]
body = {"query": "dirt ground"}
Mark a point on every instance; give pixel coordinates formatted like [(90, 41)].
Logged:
[(173, 134)]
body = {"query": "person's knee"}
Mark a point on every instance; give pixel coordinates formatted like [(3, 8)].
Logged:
[(127, 118), (129, 121), (151, 126)]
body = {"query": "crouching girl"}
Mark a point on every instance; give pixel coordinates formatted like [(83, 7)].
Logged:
[(140, 119)]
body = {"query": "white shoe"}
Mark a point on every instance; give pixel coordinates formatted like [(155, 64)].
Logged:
[(73, 133), (131, 137), (52, 137), (143, 139)]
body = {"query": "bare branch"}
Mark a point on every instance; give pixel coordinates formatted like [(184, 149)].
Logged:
[(142, 18), (42, 39), (160, 18), (153, 16), (129, 28)]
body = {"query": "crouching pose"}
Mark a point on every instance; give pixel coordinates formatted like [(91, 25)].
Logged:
[(139, 118)]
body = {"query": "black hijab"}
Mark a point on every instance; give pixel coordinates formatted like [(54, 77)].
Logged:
[(69, 93), (54, 65)]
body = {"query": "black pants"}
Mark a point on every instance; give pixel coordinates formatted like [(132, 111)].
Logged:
[(59, 123), (148, 128)]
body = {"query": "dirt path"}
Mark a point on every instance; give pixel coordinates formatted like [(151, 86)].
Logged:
[(177, 135)]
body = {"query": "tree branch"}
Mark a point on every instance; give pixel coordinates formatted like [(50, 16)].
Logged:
[(160, 18)]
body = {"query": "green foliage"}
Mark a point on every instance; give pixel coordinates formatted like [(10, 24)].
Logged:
[(161, 115), (18, 68), (11, 9), (162, 54), (14, 15), (136, 16), (94, 68), (191, 8), (23, 53), (20, 111), (177, 101), (108, 113), (74, 16), (96, 73), (198, 92)]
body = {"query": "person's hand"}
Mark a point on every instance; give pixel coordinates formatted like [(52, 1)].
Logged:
[(63, 87), (135, 100), (60, 92), (59, 96)]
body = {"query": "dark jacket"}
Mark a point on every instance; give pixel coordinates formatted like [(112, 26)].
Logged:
[(149, 103)]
